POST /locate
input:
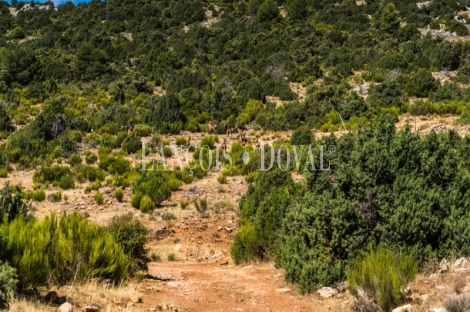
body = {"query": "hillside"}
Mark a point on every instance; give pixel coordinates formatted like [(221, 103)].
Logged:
[(249, 155)]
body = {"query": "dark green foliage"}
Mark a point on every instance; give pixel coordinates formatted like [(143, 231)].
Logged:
[(383, 187), (258, 235), (131, 235), (383, 273), (12, 204), (51, 174), (268, 11), (131, 144), (422, 83), (302, 136), (8, 283), (75, 159)]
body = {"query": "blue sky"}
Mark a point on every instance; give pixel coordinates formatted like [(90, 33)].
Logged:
[(56, 2)]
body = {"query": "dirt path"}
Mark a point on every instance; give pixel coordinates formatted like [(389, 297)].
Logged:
[(216, 287)]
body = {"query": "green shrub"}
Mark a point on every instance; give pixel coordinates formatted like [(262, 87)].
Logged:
[(119, 194), (51, 174), (250, 178), (180, 141), (155, 257), (39, 195), (302, 136), (55, 197), (222, 179), (67, 182), (131, 144), (131, 234), (62, 250), (184, 204), (8, 283), (383, 274), (174, 184), (99, 198), (136, 198), (209, 141), (91, 159), (167, 152), (3, 173), (171, 257), (75, 159), (146, 204), (168, 216)]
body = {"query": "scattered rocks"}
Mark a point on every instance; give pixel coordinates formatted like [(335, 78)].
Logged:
[(161, 234), (327, 292), (405, 308), (461, 262), (66, 307)]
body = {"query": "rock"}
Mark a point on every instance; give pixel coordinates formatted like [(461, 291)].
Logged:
[(177, 247), (443, 265), (461, 262), (405, 308), (51, 297), (219, 228), (66, 307), (228, 229), (327, 292), (90, 309), (437, 310), (343, 286), (137, 299), (283, 290)]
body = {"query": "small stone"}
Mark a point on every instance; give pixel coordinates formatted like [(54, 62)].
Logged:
[(90, 309), (283, 290), (343, 286), (137, 299), (405, 308), (66, 307), (327, 292), (228, 229)]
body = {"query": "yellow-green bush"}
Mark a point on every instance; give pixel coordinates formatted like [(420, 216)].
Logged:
[(146, 204), (62, 249), (383, 273)]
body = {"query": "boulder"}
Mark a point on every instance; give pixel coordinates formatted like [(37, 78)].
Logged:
[(405, 308), (327, 292), (461, 262), (66, 307)]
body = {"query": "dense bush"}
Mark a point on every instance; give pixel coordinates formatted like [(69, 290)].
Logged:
[(119, 194), (374, 193), (132, 236), (62, 249)]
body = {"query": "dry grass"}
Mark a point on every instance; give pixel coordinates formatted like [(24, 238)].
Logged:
[(93, 293), (460, 303), (21, 305)]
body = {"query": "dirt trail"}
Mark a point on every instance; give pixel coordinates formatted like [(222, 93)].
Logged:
[(216, 287)]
